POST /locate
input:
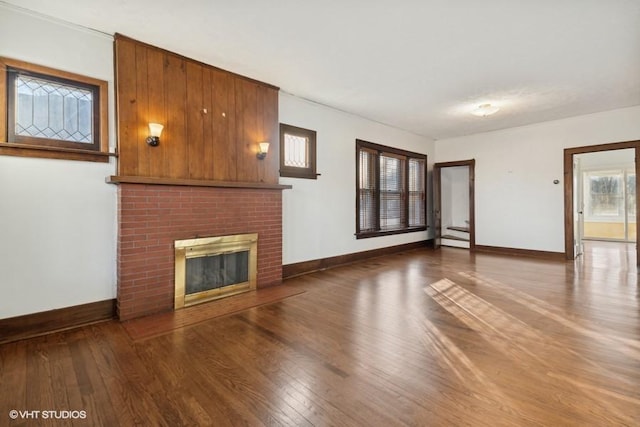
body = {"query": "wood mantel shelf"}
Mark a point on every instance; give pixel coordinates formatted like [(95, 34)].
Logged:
[(116, 179)]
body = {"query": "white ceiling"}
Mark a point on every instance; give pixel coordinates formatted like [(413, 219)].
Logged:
[(419, 65)]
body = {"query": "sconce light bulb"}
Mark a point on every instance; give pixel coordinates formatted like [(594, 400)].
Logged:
[(155, 129)]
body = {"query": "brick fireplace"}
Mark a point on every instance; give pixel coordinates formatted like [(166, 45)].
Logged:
[(152, 217), (204, 177)]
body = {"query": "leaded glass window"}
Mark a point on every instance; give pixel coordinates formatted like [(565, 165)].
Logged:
[(297, 152), (49, 109), (53, 110)]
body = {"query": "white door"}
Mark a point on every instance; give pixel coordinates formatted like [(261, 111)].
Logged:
[(578, 208)]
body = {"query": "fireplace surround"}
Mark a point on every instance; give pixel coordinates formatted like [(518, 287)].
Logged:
[(214, 267)]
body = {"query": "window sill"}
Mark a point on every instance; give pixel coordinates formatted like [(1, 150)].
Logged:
[(302, 174), (22, 150), (368, 234)]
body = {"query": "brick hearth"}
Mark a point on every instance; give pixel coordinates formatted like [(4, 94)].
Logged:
[(152, 217)]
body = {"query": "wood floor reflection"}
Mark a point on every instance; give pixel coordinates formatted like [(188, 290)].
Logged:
[(419, 338), (604, 254)]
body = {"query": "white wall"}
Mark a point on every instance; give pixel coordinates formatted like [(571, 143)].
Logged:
[(517, 204), (446, 208), (460, 196), (454, 196), (319, 215), (607, 159), (57, 217)]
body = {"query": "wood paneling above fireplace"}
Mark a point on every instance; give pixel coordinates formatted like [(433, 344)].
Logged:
[(213, 119)]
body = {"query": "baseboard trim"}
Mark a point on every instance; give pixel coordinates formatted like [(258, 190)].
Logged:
[(557, 256), (305, 267), (46, 322)]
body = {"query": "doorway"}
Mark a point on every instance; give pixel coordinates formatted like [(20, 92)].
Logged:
[(454, 204), (600, 195), (608, 186)]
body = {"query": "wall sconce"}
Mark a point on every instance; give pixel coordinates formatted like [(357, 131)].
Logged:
[(264, 149), (155, 129), (485, 110)]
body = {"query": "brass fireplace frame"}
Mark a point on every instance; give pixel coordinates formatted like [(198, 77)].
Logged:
[(207, 246)]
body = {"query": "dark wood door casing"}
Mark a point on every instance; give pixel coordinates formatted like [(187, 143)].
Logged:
[(568, 188), (437, 167)]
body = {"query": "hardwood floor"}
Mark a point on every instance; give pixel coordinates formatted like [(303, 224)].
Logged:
[(417, 338)]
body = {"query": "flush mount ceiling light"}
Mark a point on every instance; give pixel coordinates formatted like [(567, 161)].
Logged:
[(485, 110)]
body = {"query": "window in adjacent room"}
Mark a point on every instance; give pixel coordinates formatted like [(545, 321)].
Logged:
[(52, 113), (297, 152), (391, 190), (610, 204)]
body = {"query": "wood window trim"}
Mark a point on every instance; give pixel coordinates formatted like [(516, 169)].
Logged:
[(298, 172), (46, 149), (395, 152)]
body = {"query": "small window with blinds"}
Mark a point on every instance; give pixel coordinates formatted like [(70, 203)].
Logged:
[(391, 193), (297, 152)]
